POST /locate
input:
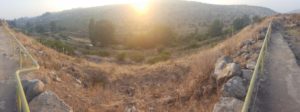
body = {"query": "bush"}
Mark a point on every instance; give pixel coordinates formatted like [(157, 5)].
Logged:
[(136, 57), (163, 56), (216, 28), (121, 56), (57, 45), (240, 23), (102, 53)]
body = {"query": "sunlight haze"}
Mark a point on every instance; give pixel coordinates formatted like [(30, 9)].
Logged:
[(21, 8)]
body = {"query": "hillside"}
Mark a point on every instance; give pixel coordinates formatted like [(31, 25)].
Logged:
[(295, 11), (184, 17), (177, 85)]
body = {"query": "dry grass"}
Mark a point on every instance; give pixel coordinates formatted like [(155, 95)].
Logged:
[(177, 85)]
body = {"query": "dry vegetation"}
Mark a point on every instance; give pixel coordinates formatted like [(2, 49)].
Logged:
[(181, 84)]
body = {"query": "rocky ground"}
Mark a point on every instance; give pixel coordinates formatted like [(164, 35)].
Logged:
[(236, 71)]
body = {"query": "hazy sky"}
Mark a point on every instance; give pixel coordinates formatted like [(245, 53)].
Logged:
[(10, 9)]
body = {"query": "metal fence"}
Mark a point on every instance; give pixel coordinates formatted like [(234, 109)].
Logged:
[(258, 70), (26, 64)]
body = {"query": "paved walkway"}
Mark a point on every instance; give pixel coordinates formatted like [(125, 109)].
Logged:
[(280, 92), (8, 66)]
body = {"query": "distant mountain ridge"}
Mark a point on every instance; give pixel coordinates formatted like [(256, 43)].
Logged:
[(295, 11), (185, 17)]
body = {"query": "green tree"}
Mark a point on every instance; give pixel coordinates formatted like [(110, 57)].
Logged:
[(40, 29), (91, 30), (240, 23), (53, 26), (215, 28), (256, 19), (102, 33)]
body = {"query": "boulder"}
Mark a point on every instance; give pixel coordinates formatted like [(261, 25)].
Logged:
[(247, 75), (48, 102), (228, 104), (234, 87), (32, 88), (251, 65), (224, 68)]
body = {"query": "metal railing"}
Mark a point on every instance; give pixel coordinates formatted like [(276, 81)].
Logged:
[(259, 67), (24, 58)]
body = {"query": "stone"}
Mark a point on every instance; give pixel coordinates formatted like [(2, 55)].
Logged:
[(46, 80), (261, 36), (130, 109), (234, 87), (224, 68), (49, 102), (247, 75), (251, 65), (32, 88), (228, 104), (245, 43), (56, 78)]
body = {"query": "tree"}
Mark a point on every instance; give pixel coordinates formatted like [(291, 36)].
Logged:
[(91, 32), (40, 29), (216, 28), (240, 23), (101, 33), (256, 19), (53, 26)]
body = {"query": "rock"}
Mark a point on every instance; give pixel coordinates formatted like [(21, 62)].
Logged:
[(46, 80), (245, 43), (234, 88), (228, 70), (56, 78), (49, 102), (130, 109), (78, 81), (228, 104), (225, 68), (32, 88), (247, 75), (261, 35), (251, 65)]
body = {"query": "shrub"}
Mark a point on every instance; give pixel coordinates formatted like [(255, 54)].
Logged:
[(121, 56), (136, 57), (102, 53), (163, 56), (216, 28), (57, 45)]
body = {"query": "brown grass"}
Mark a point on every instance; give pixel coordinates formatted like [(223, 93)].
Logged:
[(177, 85)]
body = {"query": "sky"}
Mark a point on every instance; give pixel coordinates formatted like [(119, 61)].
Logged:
[(11, 9)]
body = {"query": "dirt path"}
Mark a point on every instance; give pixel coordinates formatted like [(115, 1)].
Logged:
[(280, 92), (8, 65)]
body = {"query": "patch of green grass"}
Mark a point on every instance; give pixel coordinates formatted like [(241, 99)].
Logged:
[(57, 45)]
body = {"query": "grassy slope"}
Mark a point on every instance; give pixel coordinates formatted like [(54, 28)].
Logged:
[(177, 85)]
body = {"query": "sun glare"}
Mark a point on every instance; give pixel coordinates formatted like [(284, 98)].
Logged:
[(140, 5)]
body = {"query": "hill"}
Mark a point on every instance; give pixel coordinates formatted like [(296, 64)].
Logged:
[(295, 11), (184, 17), (177, 85)]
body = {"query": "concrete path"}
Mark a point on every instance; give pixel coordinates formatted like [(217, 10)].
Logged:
[(8, 66), (280, 92)]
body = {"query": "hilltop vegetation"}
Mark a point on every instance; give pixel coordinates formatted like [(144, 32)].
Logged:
[(117, 33), (185, 17)]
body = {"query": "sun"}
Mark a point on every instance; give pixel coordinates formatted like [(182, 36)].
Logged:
[(140, 6)]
